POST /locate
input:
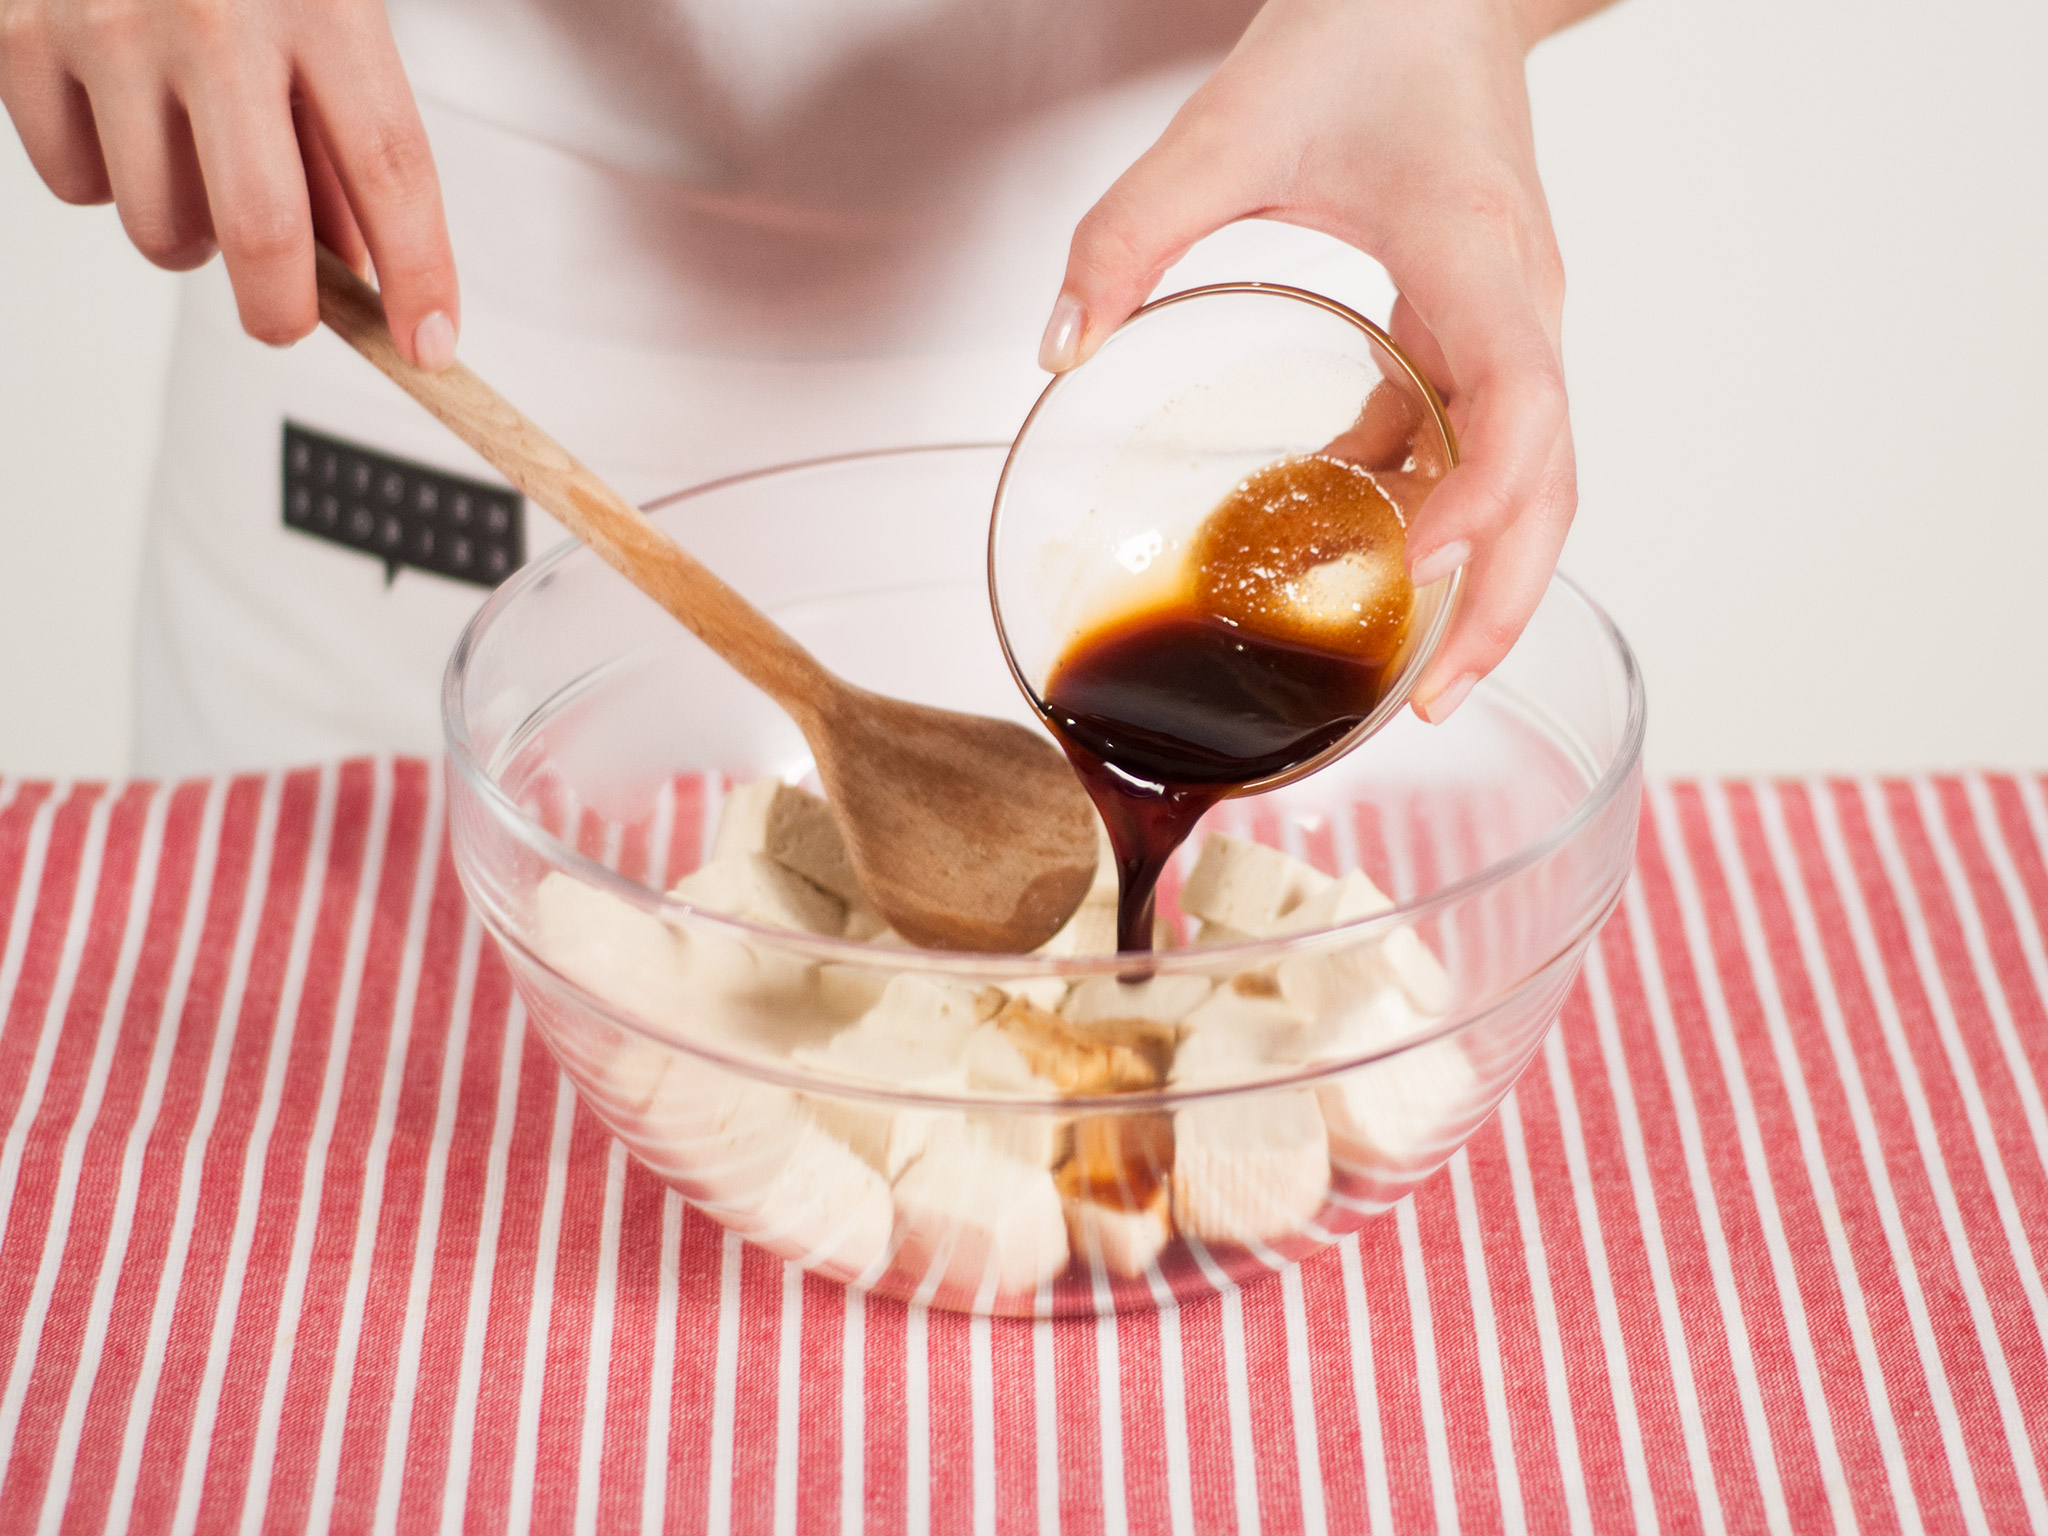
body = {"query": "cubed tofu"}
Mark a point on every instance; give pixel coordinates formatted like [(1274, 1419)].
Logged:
[(606, 945), (1090, 931), (1114, 1191), (1421, 974), (887, 1137), (1408, 961), (1342, 982), (1237, 1036), (756, 888), (864, 925), (1164, 998), (1036, 1136), (928, 1014), (717, 1136), (1124, 1240), (1251, 1168), (848, 990), (995, 1064), (1108, 1055), (1247, 886), (691, 980), (915, 1036), (1335, 978), (826, 1210), (1400, 1112), (1047, 992), (754, 1158), (976, 1223), (1350, 898), (789, 825)]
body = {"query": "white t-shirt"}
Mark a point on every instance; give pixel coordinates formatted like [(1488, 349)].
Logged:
[(694, 237)]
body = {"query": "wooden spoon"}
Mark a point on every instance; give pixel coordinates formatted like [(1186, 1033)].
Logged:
[(965, 832)]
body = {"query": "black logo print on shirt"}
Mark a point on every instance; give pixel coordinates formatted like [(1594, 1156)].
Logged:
[(401, 513)]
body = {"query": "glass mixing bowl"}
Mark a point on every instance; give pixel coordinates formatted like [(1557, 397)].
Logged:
[(1316, 1076)]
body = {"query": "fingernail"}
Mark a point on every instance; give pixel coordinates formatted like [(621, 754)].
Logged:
[(1062, 342), (1440, 562), (434, 342), (1440, 706)]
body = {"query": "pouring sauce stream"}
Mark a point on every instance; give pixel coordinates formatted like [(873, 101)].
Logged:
[(1280, 643)]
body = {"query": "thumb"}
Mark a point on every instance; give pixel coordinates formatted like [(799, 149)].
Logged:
[(1171, 197)]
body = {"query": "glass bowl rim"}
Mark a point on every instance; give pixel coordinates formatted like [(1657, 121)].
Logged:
[(987, 967)]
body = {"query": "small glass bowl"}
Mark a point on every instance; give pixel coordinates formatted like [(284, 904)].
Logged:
[(1122, 458), (590, 738)]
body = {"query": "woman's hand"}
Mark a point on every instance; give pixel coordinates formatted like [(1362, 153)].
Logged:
[(252, 125), (1402, 128)]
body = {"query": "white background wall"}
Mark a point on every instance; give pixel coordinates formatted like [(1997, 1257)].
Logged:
[(1808, 344)]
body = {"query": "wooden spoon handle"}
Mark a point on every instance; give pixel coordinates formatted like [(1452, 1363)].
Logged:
[(621, 534)]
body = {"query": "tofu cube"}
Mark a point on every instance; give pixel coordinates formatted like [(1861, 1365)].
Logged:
[(609, 947), (1344, 981), (1164, 998), (977, 1223), (864, 925), (1335, 979), (995, 1064), (1113, 1191), (754, 1159), (789, 825), (756, 888), (1111, 1055), (1401, 1112), (888, 1138), (1235, 1036), (1249, 1169), (1247, 886), (848, 990), (1047, 992), (1376, 1021), (929, 1016), (1090, 931), (1350, 898), (715, 1135), (915, 1036), (995, 1061), (1408, 961), (1421, 974)]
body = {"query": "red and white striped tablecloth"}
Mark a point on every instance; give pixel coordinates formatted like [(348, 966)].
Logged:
[(304, 1231)]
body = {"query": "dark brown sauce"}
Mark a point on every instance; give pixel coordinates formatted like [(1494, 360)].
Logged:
[(1168, 711), (1294, 610)]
